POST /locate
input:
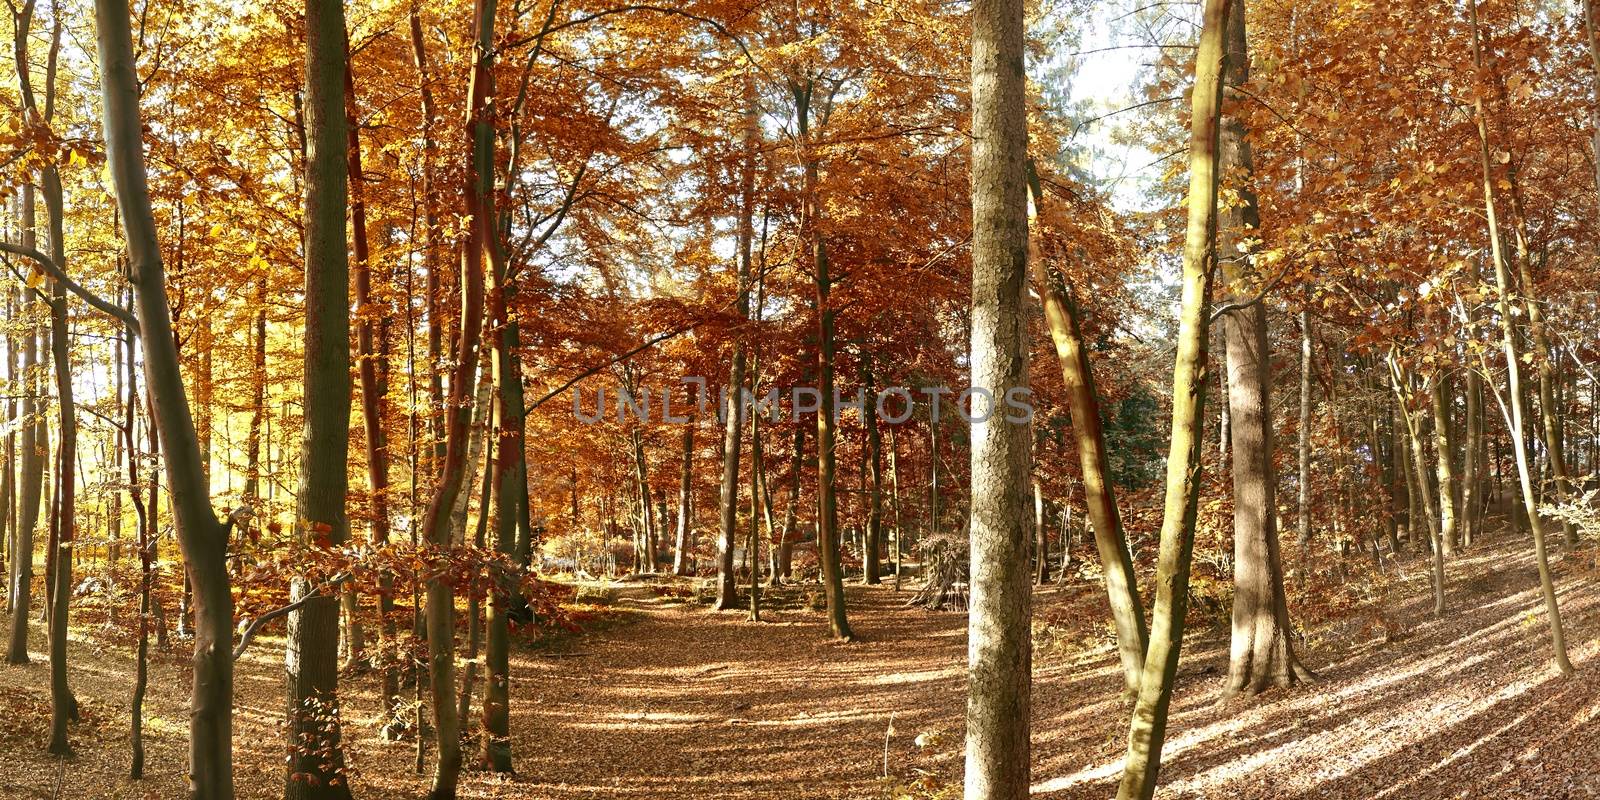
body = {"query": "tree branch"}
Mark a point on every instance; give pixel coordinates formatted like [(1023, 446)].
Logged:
[(255, 624), (55, 272), (649, 343)]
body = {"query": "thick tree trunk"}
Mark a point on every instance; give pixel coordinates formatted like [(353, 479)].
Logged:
[(316, 759), (1148, 728), (999, 644), (1262, 653)]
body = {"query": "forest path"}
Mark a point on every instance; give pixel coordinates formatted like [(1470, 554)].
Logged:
[(675, 700)]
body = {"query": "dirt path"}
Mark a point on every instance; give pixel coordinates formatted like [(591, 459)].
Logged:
[(675, 700)]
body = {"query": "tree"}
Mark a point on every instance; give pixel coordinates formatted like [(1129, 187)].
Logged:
[(316, 763), (1262, 652), (1148, 729), (1508, 338), (999, 650), (733, 419), (1063, 317), (202, 537)]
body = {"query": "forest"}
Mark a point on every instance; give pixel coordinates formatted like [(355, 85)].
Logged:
[(887, 399)]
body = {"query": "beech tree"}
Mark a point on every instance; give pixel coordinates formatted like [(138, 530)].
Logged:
[(999, 650), (1149, 725)]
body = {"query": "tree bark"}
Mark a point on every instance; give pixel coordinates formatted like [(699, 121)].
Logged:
[(316, 759), (1419, 488), (1303, 445), (1262, 651), (1063, 318), (202, 537), (479, 183), (1514, 367), (733, 421), (1440, 397), (1147, 730), (803, 91), (684, 544), (872, 564), (32, 472), (999, 644)]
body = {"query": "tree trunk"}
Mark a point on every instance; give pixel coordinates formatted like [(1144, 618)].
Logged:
[(202, 537), (803, 91), (999, 649), (1444, 446), (684, 544), (32, 473), (1303, 445), (1419, 488), (479, 179), (496, 752), (316, 760), (872, 564), (1122, 586), (1262, 653), (1514, 367), (733, 421), (1148, 728), (1041, 538)]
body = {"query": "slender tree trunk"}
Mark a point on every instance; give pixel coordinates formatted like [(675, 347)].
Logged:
[(1303, 445), (894, 495), (1148, 728), (1122, 586), (684, 544), (469, 677), (435, 300), (1471, 467), (1041, 538), (1502, 276), (201, 535), (1420, 493), (141, 664), (873, 563), (1444, 446), (32, 474), (508, 487), (63, 706), (790, 523), (733, 421), (479, 179), (803, 91)]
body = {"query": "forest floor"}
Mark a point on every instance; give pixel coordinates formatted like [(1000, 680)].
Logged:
[(668, 698)]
